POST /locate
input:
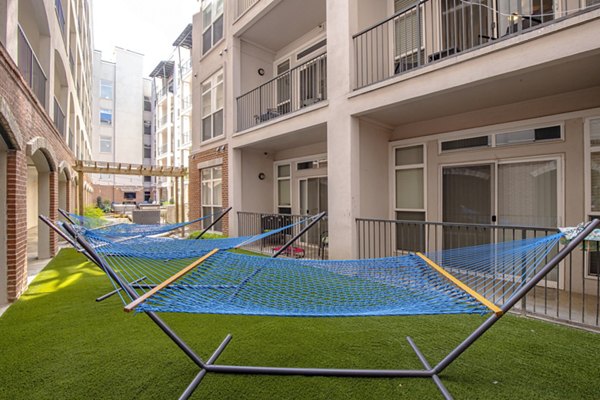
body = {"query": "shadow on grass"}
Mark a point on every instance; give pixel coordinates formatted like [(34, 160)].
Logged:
[(58, 343)]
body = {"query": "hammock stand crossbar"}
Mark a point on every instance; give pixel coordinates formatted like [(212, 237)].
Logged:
[(428, 371)]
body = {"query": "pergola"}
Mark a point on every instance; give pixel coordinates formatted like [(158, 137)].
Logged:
[(98, 167)]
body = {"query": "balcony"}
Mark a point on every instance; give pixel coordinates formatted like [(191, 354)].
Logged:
[(186, 67), (427, 31), (186, 102), (243, 5), (163, 149), (287, 93), (30, 68), (59, 118)]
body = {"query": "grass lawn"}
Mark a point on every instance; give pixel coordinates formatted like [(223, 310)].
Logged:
[(57, 343)]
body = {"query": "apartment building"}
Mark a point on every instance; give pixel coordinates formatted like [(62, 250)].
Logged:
[(122, 125), (172, 99), (449, 111), (45, 125)]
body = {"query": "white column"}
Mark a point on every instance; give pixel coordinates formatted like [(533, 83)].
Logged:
[(342, 132)]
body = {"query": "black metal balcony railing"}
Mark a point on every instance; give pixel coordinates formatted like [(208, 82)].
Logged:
[(428, 31), (243, 5), (30, 68), (299, 87), (570, 293), (59, 118), (312, 245)]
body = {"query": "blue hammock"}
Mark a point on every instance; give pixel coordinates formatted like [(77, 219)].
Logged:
[(105, 228), (228, 283)]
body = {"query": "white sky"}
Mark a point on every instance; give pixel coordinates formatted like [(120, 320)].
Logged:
[(146, 26)]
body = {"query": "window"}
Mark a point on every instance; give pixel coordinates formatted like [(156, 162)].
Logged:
[(284, 186), (105, 116), (147, 128), (212, 23), (468, 143), (105, 144), (594, 191), (147, 151), (409, 196), (147, 179), (106, 89), (212, 106), (147, 104), (211, 195)]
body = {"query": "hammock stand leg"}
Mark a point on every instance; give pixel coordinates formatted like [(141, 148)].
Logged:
[(435, 377), (90, 253)]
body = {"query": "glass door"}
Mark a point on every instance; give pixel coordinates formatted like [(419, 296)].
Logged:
[(467, 199), (313, 200)]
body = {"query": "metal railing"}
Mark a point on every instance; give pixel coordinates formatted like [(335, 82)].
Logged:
[(570, 293), (186, 66), (428, 31), (312, 245), (186, 102), (59, 118), (30, 68), (299, 87), (243, 5)]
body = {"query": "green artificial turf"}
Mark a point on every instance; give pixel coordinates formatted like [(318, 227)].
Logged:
[(57, 343)]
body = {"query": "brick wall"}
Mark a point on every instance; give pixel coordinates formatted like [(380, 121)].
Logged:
[(25, 127), (196, 161)]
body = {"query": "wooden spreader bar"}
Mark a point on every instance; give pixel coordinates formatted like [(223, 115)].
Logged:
[(129, 307)]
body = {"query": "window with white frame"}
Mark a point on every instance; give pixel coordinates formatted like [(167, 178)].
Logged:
[(212, 106), (594, 189), (105, 116), (212, 23), (105, 144), (284, 188), (409, 196), (106, 89), (211, 195)]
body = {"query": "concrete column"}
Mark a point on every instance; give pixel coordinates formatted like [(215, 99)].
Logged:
[(342, 133), (235, 189), (80, 190)]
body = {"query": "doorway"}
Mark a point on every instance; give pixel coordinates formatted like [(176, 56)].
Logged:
[(313, 200)]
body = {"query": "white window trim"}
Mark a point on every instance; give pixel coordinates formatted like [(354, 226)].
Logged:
[(587, 190), (106, 111), (214, 82), (213, 18), (293, 177), (211, 182), (392, 181), (102, 81), (291, 55), (104, 137)]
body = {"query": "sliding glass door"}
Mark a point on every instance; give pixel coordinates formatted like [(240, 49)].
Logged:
[(467, 199)]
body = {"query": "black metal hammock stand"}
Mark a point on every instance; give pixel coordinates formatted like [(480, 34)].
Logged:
[(458, 281)]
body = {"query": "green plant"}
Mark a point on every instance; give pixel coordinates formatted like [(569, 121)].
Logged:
[(207, 235)]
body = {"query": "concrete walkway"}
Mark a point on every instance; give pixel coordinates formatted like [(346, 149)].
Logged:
[(34, 265)]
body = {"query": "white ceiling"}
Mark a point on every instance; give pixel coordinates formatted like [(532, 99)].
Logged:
[(286, 22)]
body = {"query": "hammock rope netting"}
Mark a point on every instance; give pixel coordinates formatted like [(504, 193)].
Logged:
[(106, 228), (230, 283)]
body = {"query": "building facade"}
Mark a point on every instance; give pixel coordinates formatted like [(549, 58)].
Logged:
[(122, 125), (172, 99), (441, 111), (45, 125)]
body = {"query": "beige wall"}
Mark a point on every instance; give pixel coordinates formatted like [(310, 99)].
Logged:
[(374, 170), (256, 194)]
